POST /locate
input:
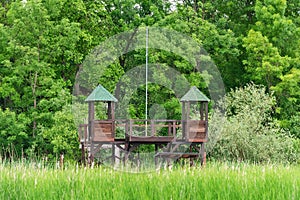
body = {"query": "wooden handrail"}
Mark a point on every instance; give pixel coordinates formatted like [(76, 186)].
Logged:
[(133, 124)]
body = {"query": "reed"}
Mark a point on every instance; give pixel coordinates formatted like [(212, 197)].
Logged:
[(215, 181)]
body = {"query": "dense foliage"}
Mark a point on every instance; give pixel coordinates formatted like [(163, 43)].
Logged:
[(43, 43), (248, 132)]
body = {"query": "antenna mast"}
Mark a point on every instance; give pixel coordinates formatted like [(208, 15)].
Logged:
[(146, 103)]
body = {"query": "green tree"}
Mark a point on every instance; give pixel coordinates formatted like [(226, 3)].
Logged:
[(264, 63), (272, 54), (39, 57)]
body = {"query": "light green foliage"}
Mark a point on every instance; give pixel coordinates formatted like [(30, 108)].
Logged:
[(264, 61), (288, 92), (272, 54), (279, 28), (248, 132), (215, 181)]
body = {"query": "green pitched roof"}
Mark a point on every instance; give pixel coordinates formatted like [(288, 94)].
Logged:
[(194, 94), (101, 94)]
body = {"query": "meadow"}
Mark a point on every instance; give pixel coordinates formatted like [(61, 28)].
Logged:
[(214, 181)]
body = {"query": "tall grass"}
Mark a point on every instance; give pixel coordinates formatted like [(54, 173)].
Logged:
[(215, 181)]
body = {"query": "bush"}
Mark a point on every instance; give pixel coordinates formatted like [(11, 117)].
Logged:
[(13, 136), (60, 138), (248, 132)]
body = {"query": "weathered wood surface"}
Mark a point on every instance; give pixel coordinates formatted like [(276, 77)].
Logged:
[(196, 131), (103, 131)]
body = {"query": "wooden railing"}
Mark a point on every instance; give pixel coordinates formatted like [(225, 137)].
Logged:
[(151, 127), (108, 130)]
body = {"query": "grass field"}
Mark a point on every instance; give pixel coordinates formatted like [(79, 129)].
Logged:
[(215, 181)]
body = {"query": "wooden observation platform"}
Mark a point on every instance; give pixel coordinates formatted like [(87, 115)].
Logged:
[(173, 139)]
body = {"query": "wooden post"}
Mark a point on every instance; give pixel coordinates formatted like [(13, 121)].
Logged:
[(183, 120), (126, 129), (112, 117), (206, 120), (201, 110), (91, 120), (113, 110), (91, 130), (92, 154), (61, 161), (206, 111), (82, 153), (109, 110), (203, 154), (187, 129), (174, 129), (191, 159), (113, 156), (155, 158), (130, 128)]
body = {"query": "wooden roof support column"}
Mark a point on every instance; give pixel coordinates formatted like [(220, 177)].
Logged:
[(112, 110), (201, 110), (206, 111), (91, 118), (206, 120), (109, 110), (188, 111), (183, 119)]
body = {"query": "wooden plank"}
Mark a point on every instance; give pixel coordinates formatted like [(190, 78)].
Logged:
[(99, 134), (103, 139), (176, 155), (103, 131), (149, 139), (197, 140), (197, 131)]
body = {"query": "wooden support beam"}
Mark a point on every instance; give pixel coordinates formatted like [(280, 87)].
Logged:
[(82, 153), (152, 128), (201, 111), (98, 147), (91, 117), (113, 156), (109, 110), (203, 155), (183, 120), (174, 148)]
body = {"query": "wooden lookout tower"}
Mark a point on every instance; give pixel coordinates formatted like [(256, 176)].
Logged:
[(173, 139), (102, 131), (195, 130)]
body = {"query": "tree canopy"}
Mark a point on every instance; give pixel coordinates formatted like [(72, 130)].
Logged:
[(44, 43)]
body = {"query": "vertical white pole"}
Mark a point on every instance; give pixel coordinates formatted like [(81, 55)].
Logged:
[(146, 106)]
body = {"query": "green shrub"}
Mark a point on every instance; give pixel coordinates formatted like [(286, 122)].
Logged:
[(248, 132), (13, 136)]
